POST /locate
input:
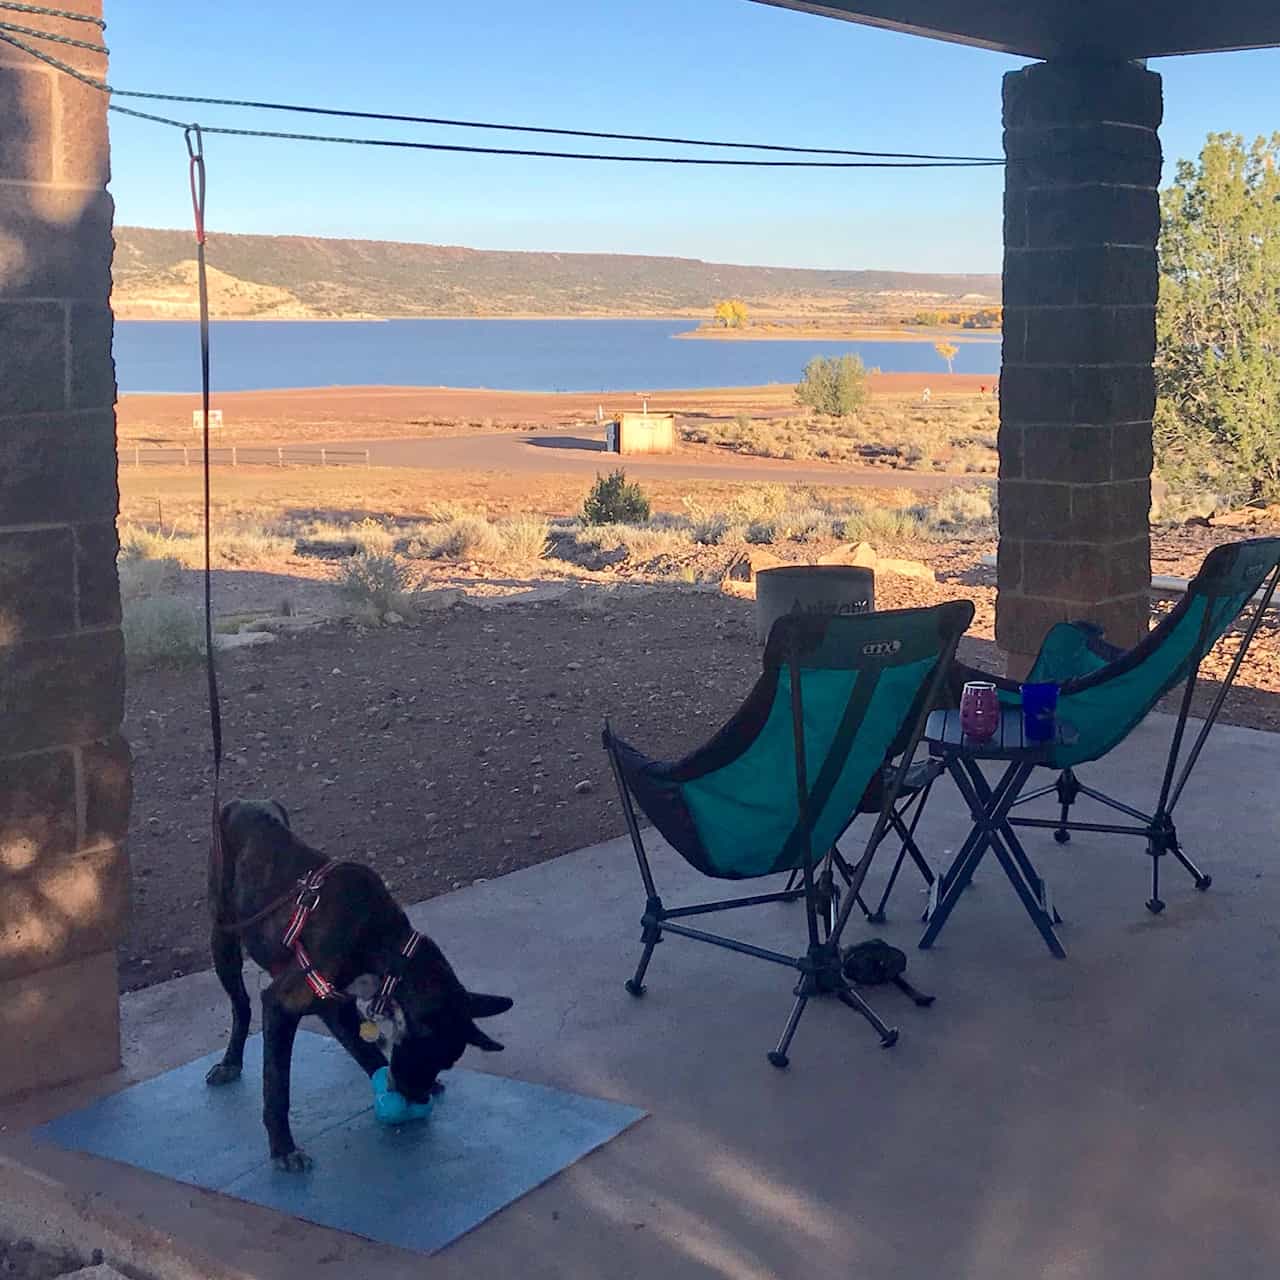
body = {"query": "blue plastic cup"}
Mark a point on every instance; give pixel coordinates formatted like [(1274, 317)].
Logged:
[(1039, 712)]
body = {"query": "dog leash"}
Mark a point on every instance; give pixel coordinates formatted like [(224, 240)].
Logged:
[(196, 176), (298, 891), (308, 895)]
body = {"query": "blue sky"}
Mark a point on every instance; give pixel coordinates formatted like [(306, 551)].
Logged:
[(714, 68)]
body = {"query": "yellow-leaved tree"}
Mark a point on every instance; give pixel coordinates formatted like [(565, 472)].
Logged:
[(948, 351), (731, 314)]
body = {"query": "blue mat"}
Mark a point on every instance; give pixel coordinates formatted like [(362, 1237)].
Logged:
[(488, 1141)]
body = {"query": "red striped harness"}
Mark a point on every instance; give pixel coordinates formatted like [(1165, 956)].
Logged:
[(308, 900)]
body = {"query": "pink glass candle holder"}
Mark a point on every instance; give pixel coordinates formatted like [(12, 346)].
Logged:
[(979, 710)]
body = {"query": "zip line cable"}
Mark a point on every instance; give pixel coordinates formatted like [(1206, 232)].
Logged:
[(12, 34), (528, 128), (715, 161), (43, 12), (49, 35)]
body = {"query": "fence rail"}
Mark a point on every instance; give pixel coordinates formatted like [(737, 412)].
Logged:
[(245, 456)]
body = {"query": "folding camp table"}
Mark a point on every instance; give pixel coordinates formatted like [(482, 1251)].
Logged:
[(989, 807)]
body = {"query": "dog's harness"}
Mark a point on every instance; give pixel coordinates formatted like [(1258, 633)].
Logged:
[(392, 979), (308, 900)]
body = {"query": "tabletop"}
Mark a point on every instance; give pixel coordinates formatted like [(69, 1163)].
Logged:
[(945, 737)]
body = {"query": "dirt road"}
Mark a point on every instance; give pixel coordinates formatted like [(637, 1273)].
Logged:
[(573, 450)]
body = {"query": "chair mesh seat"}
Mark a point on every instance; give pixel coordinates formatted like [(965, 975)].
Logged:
[(731, 807)]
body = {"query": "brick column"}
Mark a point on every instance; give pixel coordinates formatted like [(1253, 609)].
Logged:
[(64, 768), (1077, 390)]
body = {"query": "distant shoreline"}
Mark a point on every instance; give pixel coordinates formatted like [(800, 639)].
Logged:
[(545, 405), (796, 333), (763, 331), (365, 319)]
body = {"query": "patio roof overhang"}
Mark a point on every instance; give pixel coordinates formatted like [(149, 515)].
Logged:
[(1110, 29)]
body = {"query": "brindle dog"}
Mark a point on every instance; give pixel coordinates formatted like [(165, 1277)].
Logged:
[(354, 938)]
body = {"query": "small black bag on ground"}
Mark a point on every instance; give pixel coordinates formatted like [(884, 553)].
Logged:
[(875, 962)]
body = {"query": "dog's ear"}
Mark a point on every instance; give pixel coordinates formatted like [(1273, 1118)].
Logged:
[(481, 1041), (281, 812), (480, 1006)]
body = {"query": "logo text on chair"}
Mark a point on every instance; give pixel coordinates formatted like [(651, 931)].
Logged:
[(881, 648)]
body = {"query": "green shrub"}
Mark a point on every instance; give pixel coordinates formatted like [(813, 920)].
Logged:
[(809, 524), (709, 529), (466, 538), (139, 543), (374, 582), (248, 546), (525, 537), (762, 532), (142, 578), (884, 522), (834, 385), (1218, 322), (640, 541), (372, 538), (161, 631), (613, 501), (964, 511)]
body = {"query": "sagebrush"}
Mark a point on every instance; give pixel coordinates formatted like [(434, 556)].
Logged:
[(374, 582), (161, 631)]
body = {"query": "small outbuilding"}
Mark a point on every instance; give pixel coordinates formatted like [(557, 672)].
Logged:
[(642, 433)]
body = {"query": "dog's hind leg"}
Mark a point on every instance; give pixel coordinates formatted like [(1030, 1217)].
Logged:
[(228, 962), (343, 1021)]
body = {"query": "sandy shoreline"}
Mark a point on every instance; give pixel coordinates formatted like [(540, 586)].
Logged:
[(350, 412), (794, 333), (125, 312)]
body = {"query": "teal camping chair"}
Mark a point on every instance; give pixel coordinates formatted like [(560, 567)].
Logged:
[(771, 792), (1105, 692)]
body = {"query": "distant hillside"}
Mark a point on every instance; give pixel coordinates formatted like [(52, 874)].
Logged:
[(299, 277)]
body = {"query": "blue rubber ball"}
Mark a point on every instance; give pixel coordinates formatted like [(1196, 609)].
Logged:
[(391, 1107)]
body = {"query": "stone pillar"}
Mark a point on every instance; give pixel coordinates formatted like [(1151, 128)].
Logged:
[(1077, 390), (64, 768)]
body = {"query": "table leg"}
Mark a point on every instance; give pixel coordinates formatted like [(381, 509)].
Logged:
[(981, 800), (990, 809), (953, 882), (1009, 836)]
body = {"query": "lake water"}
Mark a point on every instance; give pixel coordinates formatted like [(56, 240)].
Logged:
[(503, 355)]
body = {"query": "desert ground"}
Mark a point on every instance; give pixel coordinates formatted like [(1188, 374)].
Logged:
[(424, 656), (337, 413)]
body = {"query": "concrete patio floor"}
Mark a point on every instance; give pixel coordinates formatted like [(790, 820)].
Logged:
[(1110, 1115)]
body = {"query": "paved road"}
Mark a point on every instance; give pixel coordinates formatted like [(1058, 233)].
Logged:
[(571, 450)]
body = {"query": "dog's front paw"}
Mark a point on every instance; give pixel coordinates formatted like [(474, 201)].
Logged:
[(223, 1073), (295, 1161)]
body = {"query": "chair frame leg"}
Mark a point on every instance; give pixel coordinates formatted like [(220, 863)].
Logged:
[(1068, 788), (821, 975), (820, 967), (1157, 828), (654, 912), (907, 834)]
